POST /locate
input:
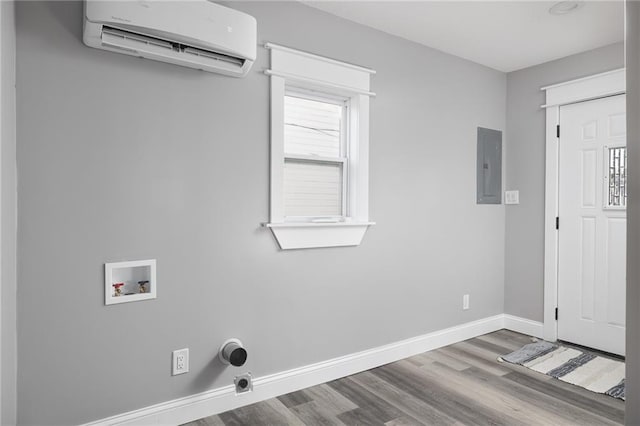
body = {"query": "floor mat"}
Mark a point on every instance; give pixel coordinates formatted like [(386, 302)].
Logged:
[(572, 365)]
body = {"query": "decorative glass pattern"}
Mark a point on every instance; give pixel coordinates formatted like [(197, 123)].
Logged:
[(617, 177)]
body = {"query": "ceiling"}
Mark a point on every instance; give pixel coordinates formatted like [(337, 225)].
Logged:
[(504, 35)]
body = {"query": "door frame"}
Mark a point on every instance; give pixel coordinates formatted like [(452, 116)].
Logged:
[(583, 89)]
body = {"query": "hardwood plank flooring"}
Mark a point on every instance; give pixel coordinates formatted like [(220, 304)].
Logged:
[(461, 384)]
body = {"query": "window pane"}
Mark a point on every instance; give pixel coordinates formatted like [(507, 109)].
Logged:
[(617, 177), (312, 188), (311, 127)]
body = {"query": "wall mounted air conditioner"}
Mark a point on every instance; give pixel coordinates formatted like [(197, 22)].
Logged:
[(195, 33)]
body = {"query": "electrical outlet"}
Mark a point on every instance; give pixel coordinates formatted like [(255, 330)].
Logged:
[(244, 383), (180, 361), (465, 302)]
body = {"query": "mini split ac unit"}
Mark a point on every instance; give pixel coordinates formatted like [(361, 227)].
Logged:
[(195, 33)]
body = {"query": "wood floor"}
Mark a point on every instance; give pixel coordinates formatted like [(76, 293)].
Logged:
[(461, 384)]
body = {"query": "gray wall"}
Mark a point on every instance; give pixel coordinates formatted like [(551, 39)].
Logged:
[(632, 406), (525, 165), (123, 158), (8, 217)]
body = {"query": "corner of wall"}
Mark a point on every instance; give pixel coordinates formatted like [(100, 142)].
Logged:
[(632, 410), (8, 215)]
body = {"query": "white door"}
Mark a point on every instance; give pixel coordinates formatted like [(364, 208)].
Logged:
[(592, 224)]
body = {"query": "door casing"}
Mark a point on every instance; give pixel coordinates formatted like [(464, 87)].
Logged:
[(588, 88)]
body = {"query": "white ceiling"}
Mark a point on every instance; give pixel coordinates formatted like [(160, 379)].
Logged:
[(504, 35)]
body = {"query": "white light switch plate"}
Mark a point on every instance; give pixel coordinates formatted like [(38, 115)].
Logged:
[(512, 197)]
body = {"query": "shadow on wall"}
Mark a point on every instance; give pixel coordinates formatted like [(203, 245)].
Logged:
[(231, 354), (208, 375), (62, 11)]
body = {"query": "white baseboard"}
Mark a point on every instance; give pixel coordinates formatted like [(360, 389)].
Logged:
[(523, 325), (204, 404)]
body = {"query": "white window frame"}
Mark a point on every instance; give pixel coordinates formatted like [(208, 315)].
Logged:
[(301, 72)]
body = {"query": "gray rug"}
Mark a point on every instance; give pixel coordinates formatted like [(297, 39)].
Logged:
[(581, 368)]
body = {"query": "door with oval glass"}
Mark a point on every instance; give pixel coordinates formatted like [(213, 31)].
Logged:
[(592, 217)]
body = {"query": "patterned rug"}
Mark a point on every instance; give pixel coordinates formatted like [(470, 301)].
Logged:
[(585, 369)]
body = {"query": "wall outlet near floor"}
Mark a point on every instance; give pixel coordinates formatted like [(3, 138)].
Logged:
[(244, 383), (465, 302), (180, 362)]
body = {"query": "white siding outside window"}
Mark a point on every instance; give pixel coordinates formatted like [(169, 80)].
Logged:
[(314, 160), (312, 189), (312, 127)]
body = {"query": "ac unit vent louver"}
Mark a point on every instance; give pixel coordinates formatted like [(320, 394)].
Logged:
[(110, 34), (213, 55)]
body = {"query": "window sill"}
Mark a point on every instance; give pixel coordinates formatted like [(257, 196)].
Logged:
[(301, 235)]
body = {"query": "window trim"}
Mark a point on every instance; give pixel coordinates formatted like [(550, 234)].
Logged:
[(293, 71)]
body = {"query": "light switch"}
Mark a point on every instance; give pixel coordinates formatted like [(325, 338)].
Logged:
[(512, 197)]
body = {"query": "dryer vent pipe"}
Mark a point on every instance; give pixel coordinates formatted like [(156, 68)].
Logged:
[(232, 352)]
